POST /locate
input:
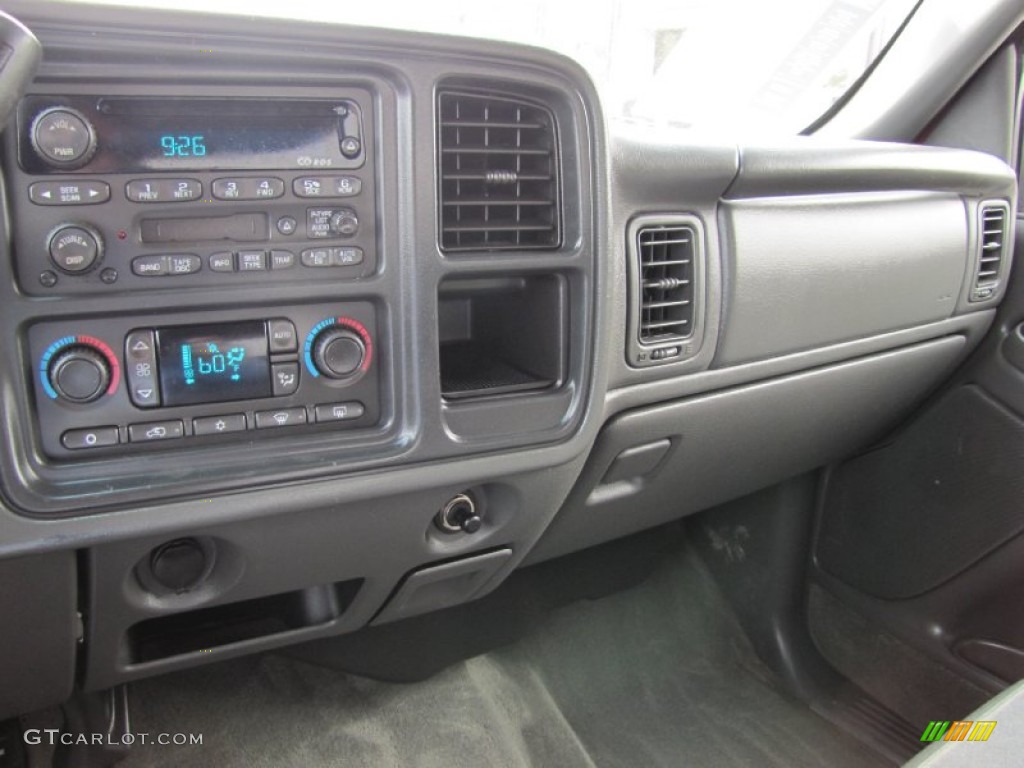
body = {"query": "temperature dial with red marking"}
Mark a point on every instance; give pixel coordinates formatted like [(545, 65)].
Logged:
[(79, 369), (338, 348)]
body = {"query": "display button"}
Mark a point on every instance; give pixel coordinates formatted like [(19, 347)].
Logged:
[(141, 369), (163, 190), (312, 186), (252, 261), (318, 222), (316, 257), (75, 249), (149, 266), (183, 264), (283, 417), (283, 337), (222, 262), (69, 192), (346, 257), (347, 186), (227, 189), (156, 430), (265, 188), (218, 425), (286, 378), (339, 412), (96, 437), (282, 259)]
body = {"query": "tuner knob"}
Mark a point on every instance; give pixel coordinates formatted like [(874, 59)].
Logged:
[(338, 353), (79, 374), (75, 248), (63, 137), (344, 222)]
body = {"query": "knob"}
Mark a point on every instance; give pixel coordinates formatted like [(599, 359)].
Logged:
[(79, 374), (459, 514), (344, 222), (63, 137), (180, 565), (338, 353), (75, 248)]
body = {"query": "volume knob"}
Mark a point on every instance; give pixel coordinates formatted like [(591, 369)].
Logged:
[(338, 353), (79, 374), (63, 137)]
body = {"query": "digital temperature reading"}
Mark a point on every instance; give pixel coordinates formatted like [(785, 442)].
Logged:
[(198, 360), (214, 363), (183, 146)]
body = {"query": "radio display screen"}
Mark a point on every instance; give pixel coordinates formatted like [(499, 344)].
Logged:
[(149, 134), (214, 363)]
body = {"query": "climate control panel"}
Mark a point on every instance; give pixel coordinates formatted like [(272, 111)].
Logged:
[(113, 384)]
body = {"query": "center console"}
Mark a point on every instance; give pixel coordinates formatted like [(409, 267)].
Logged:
[(238, 281), (117, 194)]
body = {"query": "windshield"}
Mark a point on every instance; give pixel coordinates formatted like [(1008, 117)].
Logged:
[(735, 65)]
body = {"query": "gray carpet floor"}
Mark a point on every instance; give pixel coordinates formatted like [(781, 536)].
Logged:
[(658, 675)]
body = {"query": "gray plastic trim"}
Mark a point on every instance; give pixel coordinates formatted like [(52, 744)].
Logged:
[(940, 49)]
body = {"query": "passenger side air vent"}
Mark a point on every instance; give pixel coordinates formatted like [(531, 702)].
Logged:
[(498, 174), (666, 283), (993, 233), (665, 272)]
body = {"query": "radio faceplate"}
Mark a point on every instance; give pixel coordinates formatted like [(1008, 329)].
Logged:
[(124, 194), (117, 384)]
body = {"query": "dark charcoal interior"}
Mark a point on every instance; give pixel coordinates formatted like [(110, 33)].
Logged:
[(377, 397)]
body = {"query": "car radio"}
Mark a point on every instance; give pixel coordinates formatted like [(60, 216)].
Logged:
[(114, 383), (129, 193)]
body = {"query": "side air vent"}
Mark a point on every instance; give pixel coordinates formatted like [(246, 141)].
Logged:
[(666, 283), (498, 174), (993, 220), (665, 276)]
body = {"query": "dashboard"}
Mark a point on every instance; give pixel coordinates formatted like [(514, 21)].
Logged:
[(308, 328)]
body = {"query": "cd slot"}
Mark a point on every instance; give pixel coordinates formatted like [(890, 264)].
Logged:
[(243, 227)]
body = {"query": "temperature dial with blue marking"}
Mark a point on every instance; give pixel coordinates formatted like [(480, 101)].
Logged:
[(79, 369), (338, 348)]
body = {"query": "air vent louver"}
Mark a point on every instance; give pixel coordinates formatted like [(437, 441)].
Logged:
[(991, 250), (499, 174), (666, 276)]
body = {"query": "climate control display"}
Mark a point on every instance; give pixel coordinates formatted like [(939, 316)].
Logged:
[(212, 364)]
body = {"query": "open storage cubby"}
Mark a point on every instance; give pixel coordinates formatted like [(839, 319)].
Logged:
[(500, 335), (207, 628)]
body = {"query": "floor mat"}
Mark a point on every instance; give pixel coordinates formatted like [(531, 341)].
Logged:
[(658, 675)]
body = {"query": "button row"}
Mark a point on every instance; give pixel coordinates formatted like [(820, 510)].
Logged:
[(327, 186), (163, 190), (176, 264), (167, 264), (251, 261), (91, 191), (250, 188), (173, 429), (332, 257)]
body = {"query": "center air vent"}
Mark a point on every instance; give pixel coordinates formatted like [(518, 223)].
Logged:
[(498, 174), (665, 273), (992, 238)]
